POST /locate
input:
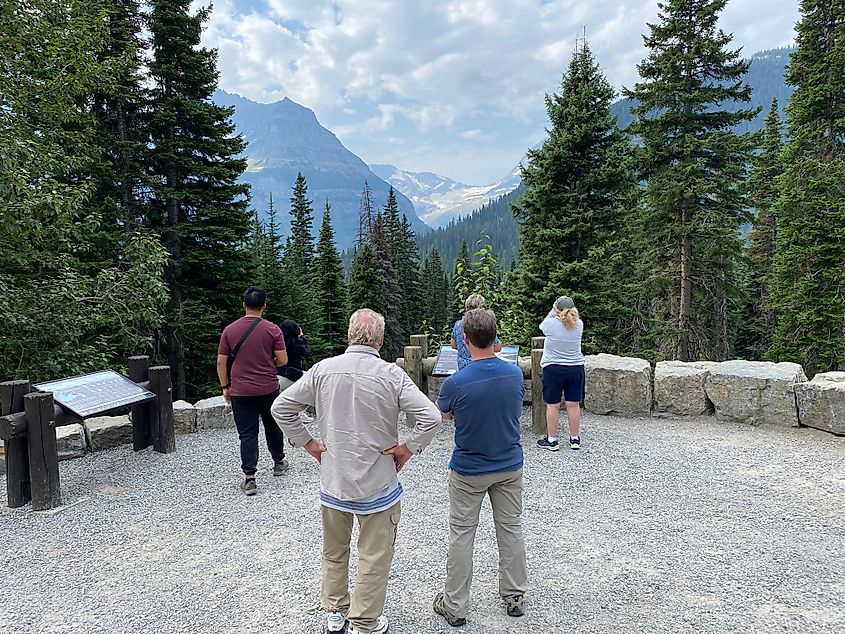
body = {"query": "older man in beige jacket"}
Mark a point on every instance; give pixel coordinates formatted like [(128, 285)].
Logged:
[(358, 398)]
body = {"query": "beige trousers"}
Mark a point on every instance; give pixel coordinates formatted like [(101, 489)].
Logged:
[(466, 494), (376, 543)]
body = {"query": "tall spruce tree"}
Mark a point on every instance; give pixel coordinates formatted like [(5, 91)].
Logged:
[(807, 290), (119, 109), (330, 290), (197, 203), (407, 269), (299, 302), (366, 284), (572, 209), (366, 215), (393, 334), (695, 167), (756, 332)]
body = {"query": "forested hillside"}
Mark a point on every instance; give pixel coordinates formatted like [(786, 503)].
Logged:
[(494, 223)]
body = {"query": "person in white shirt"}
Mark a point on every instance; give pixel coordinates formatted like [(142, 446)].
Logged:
[(563, 371)]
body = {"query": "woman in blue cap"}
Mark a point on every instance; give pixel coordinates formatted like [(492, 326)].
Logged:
[(563, 371)]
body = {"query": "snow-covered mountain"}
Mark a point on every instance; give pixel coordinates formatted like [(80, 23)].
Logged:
[(438, 199)]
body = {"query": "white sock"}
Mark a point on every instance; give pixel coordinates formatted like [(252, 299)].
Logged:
[(552, 438)]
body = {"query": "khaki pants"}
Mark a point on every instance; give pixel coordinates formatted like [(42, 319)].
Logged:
[(465, 496), (376, 543)]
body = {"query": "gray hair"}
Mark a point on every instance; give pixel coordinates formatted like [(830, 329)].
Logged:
[(480, 327), (366, 328), (476, 300)]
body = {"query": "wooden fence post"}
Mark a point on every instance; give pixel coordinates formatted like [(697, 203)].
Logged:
[(422, 342), (139, 371), (538, 407), (18, 490), (163, 433), (43, 454), (414, 369)]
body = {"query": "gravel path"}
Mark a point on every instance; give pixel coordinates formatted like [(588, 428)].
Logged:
[(657, 525)]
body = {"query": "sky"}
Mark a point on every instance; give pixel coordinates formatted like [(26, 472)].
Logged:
[(454, 87)]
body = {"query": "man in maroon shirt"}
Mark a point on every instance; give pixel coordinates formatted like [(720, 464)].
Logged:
[(253, 385)]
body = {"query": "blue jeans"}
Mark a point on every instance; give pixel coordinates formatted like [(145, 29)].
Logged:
[(246, 411)]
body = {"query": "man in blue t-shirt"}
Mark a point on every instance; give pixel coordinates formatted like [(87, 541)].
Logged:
[(485, 399)]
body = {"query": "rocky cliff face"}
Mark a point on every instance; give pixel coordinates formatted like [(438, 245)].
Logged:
[(285, 138)]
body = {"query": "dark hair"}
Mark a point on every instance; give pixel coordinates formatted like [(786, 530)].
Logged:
[(255, 297), (290, 329), (480, 327)]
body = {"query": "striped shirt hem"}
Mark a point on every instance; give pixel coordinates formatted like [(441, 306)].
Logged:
[(381, 501)]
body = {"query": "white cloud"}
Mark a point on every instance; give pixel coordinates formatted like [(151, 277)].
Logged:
[(433, 62)]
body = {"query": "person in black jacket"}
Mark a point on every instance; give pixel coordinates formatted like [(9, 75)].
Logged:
[(297, 348)]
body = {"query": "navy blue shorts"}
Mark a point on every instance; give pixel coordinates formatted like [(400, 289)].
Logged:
[(568, 380)]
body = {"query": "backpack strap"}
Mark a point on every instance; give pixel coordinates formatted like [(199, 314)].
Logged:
[(231, 360)]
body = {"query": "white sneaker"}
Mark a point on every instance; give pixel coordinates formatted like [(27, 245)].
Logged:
[(381, 627), (335, 621)]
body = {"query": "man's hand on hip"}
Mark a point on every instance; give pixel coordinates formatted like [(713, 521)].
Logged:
[(401, 454), (315, 448)]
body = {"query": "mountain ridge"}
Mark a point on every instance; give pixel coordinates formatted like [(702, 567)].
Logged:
[(285, 138)]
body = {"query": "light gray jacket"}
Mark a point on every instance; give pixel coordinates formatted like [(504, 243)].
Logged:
[(358, 397)]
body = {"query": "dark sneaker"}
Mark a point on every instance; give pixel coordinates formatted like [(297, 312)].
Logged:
[(440, 608), (544, 443), (335, 622), (249, 487), (514, 604), (281, 468), (575, 442)]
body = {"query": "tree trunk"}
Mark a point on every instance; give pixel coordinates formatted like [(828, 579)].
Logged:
[(175, 344), (685, 305)]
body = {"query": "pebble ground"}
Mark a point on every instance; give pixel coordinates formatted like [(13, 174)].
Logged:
[(656, 525)]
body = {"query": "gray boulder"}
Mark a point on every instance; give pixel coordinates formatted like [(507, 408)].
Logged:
[(104, 432), (821, 402), (618, 385), (184, 417), (756, 392), (214, 413), (71, 441), (679, 387)]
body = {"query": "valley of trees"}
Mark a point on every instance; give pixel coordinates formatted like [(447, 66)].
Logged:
[(125, 228)]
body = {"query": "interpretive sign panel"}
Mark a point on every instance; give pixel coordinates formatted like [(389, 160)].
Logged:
[(95, 393), (447, 361), (509, 354)]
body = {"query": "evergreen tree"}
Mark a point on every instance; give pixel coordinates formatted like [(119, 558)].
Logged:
[(757, 329), (330, 290), (407, 269), (60, 315), (366, 284), (571, 212), (807, 290), (366, 215), (118, 109), (434, 292), (299, 302), (196, 201), (695, 167), (299, 249), (393, 334), (461, 283)]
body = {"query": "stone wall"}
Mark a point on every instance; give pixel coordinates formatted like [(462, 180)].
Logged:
[(753, 392)]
